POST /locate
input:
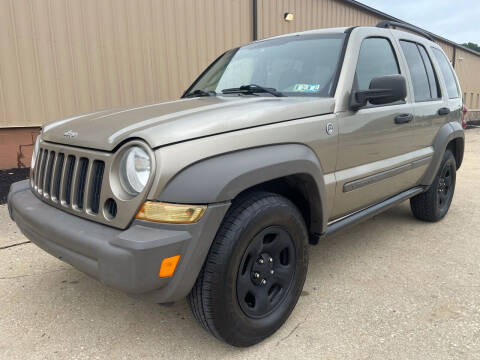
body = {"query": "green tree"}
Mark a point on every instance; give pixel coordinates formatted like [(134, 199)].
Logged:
[(472, 46)]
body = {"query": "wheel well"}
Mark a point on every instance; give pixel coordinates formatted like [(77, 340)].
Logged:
[(302, 190), (456, 146)]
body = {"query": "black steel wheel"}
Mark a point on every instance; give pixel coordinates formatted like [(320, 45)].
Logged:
[(433, 204), (444, 186), (255, 270), (266, 272)]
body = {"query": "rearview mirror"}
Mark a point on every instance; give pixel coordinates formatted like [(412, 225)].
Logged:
[(382, 90)]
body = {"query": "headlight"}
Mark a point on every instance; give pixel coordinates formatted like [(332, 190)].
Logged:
[(135, 168), (35, 151)]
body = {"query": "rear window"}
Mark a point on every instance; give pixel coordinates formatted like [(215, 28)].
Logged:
[(447, 72)]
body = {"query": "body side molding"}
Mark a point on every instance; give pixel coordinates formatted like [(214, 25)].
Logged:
[(356, 184)]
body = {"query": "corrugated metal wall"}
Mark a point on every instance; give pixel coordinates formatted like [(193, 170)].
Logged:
[(314, 14), (64, 57), (309, 14), (467, 66)]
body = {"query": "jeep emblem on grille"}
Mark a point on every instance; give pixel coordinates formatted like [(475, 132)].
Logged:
[(70, 134)]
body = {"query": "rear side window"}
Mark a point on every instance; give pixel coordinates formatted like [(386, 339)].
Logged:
[(447, 72), (432, 76), (421, 71), (376, 58)]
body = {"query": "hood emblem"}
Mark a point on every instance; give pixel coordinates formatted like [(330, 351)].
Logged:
[(70, 134)]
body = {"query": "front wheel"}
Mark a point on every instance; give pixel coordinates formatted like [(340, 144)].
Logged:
[(254, 272), (433, 204)]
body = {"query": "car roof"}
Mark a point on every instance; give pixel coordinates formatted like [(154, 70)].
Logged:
[(339, 30)]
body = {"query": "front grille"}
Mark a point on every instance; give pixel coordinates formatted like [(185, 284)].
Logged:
[(70, 181), (85, 183)]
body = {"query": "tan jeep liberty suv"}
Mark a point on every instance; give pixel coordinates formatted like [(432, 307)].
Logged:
[(217, 195)]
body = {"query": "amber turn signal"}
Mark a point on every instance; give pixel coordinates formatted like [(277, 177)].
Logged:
[(168, 266), (170, 213)]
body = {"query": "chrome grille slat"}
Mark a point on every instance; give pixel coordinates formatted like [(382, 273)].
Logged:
[(37, 167), (55, 195), (62, 180), (95, 192), (35, 172), (47, 180), (88, 182), (80, 179), (67, 191), (44, 170), (41, 170), (73, 187), (52, 178)]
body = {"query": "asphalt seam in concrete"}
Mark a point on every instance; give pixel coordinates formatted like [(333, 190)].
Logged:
[(27, 275), (17, 244), (292, 331)]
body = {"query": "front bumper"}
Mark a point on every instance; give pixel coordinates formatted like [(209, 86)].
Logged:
[(125, 259)]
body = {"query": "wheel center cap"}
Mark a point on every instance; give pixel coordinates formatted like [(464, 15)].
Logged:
[(262, 270)]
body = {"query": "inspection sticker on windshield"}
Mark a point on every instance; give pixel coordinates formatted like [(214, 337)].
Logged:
[(307, 87)]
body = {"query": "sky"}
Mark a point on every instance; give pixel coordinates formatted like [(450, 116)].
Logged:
[(456, 20)]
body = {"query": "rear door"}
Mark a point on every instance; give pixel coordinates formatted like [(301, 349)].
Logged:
[(432, 107), (452, 92)]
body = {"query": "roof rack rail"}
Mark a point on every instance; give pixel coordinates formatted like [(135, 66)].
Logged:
[(388, 23)]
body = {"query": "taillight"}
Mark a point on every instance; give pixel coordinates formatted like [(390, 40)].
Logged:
[(464, 117)]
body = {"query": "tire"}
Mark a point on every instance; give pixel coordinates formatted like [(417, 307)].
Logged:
[(433, 204), (228, 299)]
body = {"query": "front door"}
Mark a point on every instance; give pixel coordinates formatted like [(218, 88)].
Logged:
[(375, 143)]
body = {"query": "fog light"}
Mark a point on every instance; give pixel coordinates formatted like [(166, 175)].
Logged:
[(168, 266), (170, 213)]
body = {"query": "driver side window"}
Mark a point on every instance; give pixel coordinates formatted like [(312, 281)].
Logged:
[(376, 58)]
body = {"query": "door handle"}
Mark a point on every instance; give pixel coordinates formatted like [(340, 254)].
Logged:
[(403, 118), (443, 111)]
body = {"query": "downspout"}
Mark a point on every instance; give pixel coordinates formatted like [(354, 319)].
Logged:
[(454, 55), (254, 20)]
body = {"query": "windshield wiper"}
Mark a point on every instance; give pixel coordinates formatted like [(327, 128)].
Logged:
[(200, 92), (252, 89)]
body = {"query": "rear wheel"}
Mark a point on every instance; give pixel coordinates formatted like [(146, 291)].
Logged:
[(433, 204), (255, 270)]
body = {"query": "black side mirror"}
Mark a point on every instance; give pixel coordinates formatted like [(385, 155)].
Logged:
[(382, 90)]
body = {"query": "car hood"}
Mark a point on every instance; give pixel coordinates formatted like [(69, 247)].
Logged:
[(170, 122)]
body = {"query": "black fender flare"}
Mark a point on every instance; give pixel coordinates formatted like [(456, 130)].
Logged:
[(221, 178), (446, 133)]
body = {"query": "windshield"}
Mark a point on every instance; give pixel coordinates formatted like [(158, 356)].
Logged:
[(299, 65)]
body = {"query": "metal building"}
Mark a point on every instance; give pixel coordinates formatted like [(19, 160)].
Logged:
[(59, 58)]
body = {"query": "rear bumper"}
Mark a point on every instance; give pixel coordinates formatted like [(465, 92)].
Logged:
[(125, 259)]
